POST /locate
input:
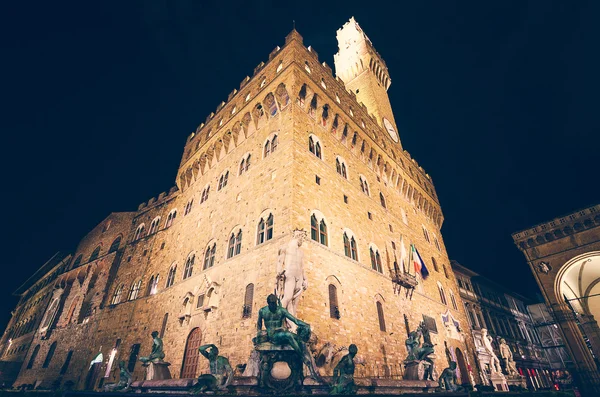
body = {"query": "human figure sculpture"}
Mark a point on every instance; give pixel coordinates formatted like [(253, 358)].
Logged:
[(448, 378), (157, 354), (274, 316), (124, 380), (291, 280), (343, 374), (487, 344), (507, 357), (421, 352), (221, 372)]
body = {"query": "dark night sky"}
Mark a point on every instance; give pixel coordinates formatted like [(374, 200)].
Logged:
[(498, 101)]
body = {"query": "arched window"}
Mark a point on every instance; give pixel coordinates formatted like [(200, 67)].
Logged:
[(134, 291), (375, 260), (248, 298), (340, 167), (188, 207), (171, 218), (382, 199), (153, 285), (49, 355), (95, 254), (205, 193), (139, 232), (314, 231), (115, 245), (442, 294), (189, 266), (235, 244), (381, 317), (437, 243), (223, 180), (334, 309), (435, 266), (171, 276), (445, 271), (71, 311), (426, 234), (265, 230), (314, 146), (323, 232), (364, 186), (65, 367), (33, 356), (117, 295), (154, 225), (453, 300), (350, 247), (77, 261), (209, 256), (271, 105), (245, 164), (270, 146)]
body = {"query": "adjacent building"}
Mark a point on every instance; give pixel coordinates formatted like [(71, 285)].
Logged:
[(564, 256), (293, 148), (504, 314)]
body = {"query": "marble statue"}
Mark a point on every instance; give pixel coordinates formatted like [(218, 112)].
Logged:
[(221, 372), (487, 344), (291, 280), (157, 353), (124, 380), (274, 316), (448, 378), (507, 357), (343, 374)]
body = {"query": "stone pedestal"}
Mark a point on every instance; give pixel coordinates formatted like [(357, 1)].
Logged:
[(415, 370), (157, 370), (498, 381), (280, 369), (516, 380)]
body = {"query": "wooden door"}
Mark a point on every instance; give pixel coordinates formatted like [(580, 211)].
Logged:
[(191, 354), (464, 374)]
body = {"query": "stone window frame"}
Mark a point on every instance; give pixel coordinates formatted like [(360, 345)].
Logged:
[(341, 167), (188, 269), (270, 144), (139, 231), (244, 164), (234, 242), (223, 180), (375, 258), (264, 218), (154, 225), (317, 228), (315, 146), (364, 185), (348, 247)]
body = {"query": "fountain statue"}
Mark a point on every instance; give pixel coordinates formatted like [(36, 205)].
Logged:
[(221, 372)]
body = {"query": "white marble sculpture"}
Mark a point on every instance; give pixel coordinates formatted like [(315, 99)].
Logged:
[(487, 344), (291, 280), (507, 356)]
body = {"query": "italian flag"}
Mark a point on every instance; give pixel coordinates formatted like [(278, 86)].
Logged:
[(418, 262)]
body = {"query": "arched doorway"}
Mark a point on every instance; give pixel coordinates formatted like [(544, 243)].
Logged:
[(191, 354), (462, 366)]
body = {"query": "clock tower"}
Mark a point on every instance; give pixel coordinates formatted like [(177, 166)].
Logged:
[(364, 72)]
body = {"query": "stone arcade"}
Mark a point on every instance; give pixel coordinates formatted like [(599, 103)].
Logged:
[(292, 148)]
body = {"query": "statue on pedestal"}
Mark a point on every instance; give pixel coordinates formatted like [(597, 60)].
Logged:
[(157, 353), (274, 317), (343, 374), (507, 357), (156, 368), (448, 378), (493, 362), (124, 380), (291, 280), (419, 356), (221, 372)]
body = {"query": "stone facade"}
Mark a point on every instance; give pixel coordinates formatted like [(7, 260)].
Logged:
[(564, 256), (504, 314), (296, 125)]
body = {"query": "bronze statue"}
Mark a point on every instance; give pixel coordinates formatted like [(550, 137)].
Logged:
[(221, 372), (157, 354), (124, 380), (448, 378), (418, 352), (343, 374), (274, 317)]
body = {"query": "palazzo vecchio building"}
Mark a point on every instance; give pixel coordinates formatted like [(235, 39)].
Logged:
[(292, 148)]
